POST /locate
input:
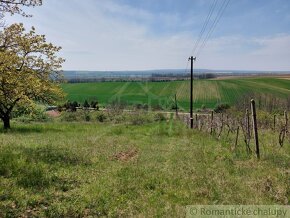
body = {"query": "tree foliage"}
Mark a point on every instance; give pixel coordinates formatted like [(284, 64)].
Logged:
[(15, 6), (28, 69)]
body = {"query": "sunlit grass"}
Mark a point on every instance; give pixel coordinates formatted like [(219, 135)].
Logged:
[(75, 169)]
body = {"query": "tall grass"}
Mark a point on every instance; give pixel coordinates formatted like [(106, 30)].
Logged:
[(78, 169)]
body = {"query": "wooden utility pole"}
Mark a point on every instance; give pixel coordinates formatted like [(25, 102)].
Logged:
[(254, 116), (191, 91)]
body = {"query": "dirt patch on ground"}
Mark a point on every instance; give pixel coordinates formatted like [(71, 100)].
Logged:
[(125, 155), (53, 113), (288, 78)]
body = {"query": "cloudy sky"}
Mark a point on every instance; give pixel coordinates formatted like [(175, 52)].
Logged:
[(161, 34)]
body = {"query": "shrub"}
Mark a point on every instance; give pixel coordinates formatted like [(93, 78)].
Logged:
[(60, 108), (86, 104), (159, 117), (157, 107), (139, 106), (120, 118), (87, 116), (220, 108), (101, 117), (95, 104), (141, 118), (37, 114), (70, 117)]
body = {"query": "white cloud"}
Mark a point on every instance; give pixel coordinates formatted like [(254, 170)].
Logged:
[(105, 35), (236, 52), (278, 45)]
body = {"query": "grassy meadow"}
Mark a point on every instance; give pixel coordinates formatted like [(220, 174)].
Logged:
[(85, 169), (206, 92)]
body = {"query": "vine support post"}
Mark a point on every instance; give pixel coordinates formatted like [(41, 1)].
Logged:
[(255, 127)]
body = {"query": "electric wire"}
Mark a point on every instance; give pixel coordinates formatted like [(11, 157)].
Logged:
[(213, 26), (205, 24)]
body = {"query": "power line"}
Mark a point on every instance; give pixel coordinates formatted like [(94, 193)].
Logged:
[(210, 31), (214, 24), (206, 22)]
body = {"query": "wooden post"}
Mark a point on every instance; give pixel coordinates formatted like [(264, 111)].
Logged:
[(196, 121), (248, 131), (199, 124), (274, 122), (286, 121), (211, 122), (248, 125), (255, 128), (176, 108), (237, 137), (247, 121)]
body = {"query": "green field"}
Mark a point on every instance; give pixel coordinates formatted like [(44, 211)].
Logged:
[(206, 92), (91, 169)]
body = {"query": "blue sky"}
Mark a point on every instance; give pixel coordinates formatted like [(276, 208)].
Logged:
[(155, 34)]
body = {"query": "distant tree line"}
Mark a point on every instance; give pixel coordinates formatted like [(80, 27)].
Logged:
[(74, 105), (156, 77)]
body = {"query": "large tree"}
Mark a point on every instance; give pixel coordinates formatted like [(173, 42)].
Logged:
[(29, 67)]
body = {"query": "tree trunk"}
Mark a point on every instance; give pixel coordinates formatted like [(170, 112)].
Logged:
[(6, 122)]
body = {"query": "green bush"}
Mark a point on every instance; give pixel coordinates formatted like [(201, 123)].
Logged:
[(86, 104), (70, 117), (37, 114), (141, 118), (220, 108), (101, 117), (120, 118), (159, 117), (87, 116)]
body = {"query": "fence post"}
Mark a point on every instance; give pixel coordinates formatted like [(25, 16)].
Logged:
[(255, 128), (248, 131), (274, 122), (196, 121), (199, 124), (286, 121), (222, 126), (211, 122), (237, 137), (176, 107), (248, 124)]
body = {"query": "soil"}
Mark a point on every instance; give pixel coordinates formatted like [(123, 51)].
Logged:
[(126, 155)]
